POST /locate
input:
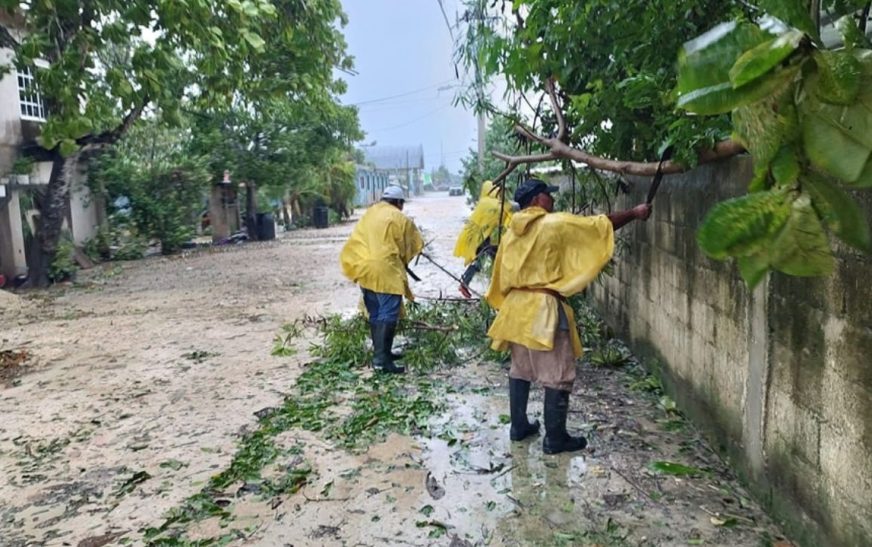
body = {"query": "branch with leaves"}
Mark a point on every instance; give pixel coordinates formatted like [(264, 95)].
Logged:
[(765, 79), (558, 149)]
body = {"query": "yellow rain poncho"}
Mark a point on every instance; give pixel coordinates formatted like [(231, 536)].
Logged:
[(383, 242), (482, 222), (543, 252)]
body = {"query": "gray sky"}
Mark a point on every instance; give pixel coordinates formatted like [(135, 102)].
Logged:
[(402, 47)]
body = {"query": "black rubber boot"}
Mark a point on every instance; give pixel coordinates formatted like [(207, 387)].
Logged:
[(388, 332), (519, 393), (393, 331), (557, 439), (375, 331)]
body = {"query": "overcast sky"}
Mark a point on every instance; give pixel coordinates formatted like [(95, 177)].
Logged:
[(403, 53)]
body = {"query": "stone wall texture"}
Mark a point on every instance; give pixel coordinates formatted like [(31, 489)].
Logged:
[(779, 378)]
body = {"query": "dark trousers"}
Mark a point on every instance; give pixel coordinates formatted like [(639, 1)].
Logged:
[(382, 308)]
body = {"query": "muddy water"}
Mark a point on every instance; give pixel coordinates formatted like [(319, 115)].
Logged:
[(118, 387)]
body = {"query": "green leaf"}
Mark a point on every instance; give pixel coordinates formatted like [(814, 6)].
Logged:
[(851, 34), (673, 468), (837, 139), (785, 166), (253, 39), (865, 178), (753, 268), (802, 248), (704, 64), (722, 98), (839, 211), (756, 62), (763, 128), (68, 147), (173, 464), (760, 180), (792, 12), (427, 510), (743, 226), (839, 75)]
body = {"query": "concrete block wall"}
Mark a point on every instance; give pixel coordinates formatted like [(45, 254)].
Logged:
[(780, 378)]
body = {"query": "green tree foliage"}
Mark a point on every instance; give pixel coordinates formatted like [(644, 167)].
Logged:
[(803, 112), (292, 149), (109, 61), (162, 185), (614, 63)]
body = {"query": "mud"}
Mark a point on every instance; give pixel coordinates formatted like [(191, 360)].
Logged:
[(144, 377)]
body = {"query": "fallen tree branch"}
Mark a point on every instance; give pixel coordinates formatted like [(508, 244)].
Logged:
[(420, 325), (557, 149)]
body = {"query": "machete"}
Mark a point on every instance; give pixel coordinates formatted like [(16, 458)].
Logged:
[(658, 176), (449, 274)]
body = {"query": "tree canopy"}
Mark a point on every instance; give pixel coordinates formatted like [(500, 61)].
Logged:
[(106, 63), (610, 96)]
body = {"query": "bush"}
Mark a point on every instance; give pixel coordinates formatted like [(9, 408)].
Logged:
[(157, 189), (63, 266)]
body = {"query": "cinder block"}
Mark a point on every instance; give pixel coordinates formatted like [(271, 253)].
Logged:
[(848, 404), (849, 350), (849, 293), (791, 428), (846, 463)]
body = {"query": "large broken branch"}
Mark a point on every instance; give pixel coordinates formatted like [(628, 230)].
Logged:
[(558, 111), (557, 149), (114, 135), (7, 40)]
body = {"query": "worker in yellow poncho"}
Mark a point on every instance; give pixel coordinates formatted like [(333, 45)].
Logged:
[(375, 257), (482, 223), (477, 236), (544, 258)]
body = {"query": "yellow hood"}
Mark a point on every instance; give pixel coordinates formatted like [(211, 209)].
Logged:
[(482, 223)]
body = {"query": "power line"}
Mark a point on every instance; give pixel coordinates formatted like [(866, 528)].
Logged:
[(447, 23), (410, 122), (406, 94), (393, 105)]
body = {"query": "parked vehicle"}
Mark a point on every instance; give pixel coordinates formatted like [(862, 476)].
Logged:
[(455, 191)]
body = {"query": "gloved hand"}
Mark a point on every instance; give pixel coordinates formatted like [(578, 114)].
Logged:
[(464, 290)]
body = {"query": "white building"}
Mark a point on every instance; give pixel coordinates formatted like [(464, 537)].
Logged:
[(21, 116)]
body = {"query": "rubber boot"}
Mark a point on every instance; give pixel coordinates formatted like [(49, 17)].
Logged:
[(394, 354), (375, 331), (519, 393), (557, 439), (389, 330)]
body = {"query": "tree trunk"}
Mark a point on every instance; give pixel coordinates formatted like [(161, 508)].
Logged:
[(51, 216), (251, 211)]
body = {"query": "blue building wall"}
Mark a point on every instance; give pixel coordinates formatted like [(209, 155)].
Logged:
[(370, 185)]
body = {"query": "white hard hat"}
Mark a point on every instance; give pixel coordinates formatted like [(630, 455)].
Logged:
[(394, 192)]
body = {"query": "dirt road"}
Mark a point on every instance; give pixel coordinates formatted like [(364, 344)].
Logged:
[(142, 378)]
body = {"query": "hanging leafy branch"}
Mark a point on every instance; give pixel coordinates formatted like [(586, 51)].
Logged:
[(805, 115), (801, 111)]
